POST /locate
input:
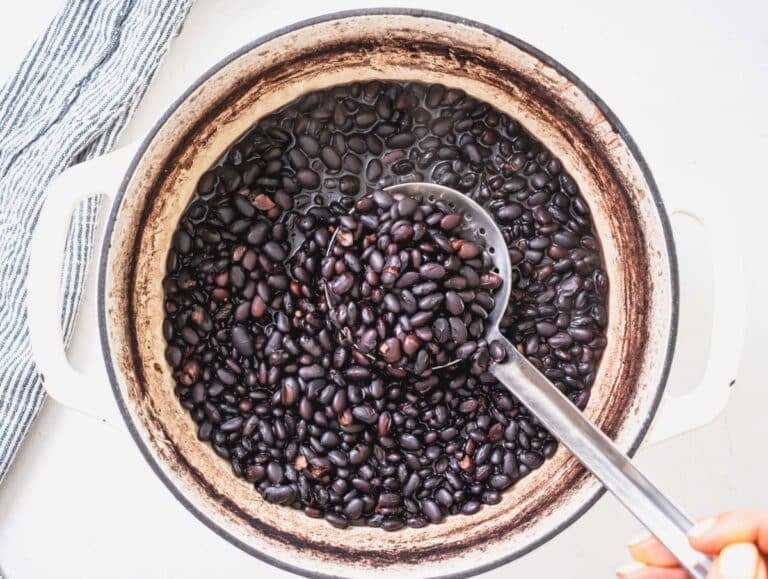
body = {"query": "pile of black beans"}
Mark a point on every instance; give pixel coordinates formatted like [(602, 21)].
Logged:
[(408, 287), (274, 356)]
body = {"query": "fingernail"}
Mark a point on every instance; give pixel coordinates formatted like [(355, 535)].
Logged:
[(628, 569), (638, 539), (701, 527), (738, 561)]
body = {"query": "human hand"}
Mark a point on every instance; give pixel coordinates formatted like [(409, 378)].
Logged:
[(738, 539)]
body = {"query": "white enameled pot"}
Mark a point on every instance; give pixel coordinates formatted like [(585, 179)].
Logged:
[(149, 185)]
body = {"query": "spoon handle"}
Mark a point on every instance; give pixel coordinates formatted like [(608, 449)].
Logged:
[(599, 454)]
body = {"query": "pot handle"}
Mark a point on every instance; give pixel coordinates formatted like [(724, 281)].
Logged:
[(680, 414), (84, 390)]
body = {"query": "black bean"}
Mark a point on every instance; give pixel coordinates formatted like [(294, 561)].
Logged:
[(432, 510), (241, 340), (173, 356), (354, 509), (453, 303), (401, 140), (469, 250), (226, 376), (425, 288), (509, 464), (409, 442), (337, 521), (402, 232), (432, 270), (392, 524), (431, 301), (407, 279), (312, 371), (281, 495), (458, 330), (275, 473), (274, 251), (308, 178), (331, 158), (406, 206), (497, 350), (421, 318), (374, 170), (390, 349), (442, 330), (465, 350), (389, 500), (435, 95), (470, 507), (349, 185), (357, 373), (422, 362), (206, 183), (365, 413), (500, 481), (342, 284), (531, 459), (232, 425), (384, 106), (182, 241), (365, 118), (258, 233), (444, 497), (581, 334), (367, 341), (290, 392), (257, 307), (441, 127), (560, 340)]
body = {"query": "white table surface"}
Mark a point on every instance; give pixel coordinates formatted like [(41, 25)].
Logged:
[(689, 79)]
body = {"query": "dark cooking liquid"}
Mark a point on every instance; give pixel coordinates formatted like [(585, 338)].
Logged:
[(312, 417)]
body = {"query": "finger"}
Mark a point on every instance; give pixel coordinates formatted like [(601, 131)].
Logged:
[(640, 571), (739, 561), (740, 526), (651, 552)]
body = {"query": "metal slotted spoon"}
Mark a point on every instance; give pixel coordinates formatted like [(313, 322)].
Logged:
[(566, 423)]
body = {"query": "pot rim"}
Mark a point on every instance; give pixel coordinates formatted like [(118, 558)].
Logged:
[(615, 124)]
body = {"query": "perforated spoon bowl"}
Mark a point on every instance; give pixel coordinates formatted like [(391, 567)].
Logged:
[(566, 423)]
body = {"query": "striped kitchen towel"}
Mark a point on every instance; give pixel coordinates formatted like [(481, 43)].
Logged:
[(68, 101)]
